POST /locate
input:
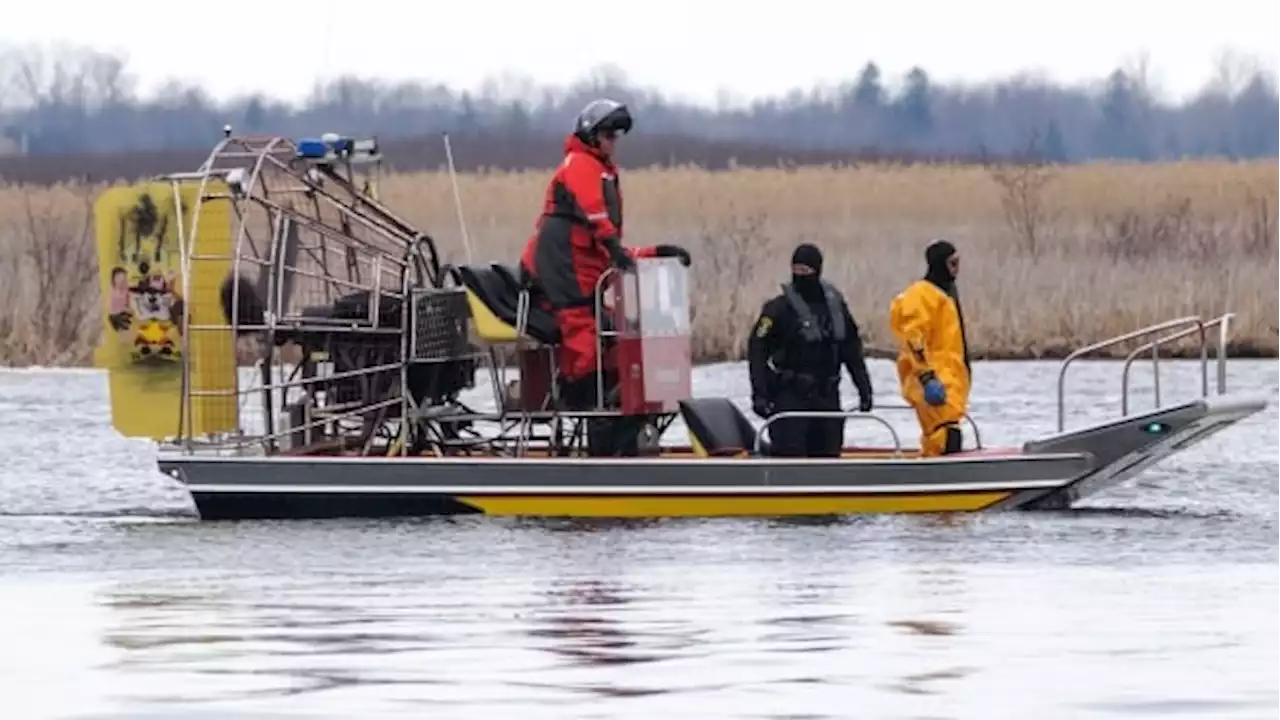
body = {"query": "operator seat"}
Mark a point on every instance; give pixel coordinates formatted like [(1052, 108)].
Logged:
[(493, 294)]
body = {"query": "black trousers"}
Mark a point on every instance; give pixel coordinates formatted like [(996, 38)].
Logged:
[(606, 437), (806, 437)]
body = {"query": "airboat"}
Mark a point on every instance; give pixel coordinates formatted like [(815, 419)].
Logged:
[(297, 349)]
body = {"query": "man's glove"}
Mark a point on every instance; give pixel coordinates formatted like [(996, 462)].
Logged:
[(762, 407), (864, 402), (621, 258), (934, 393), (673, 251)]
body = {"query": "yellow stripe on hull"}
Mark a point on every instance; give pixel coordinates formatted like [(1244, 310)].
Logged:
[(712, 506)]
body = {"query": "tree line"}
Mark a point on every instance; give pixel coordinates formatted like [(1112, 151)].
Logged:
[(76, 102)]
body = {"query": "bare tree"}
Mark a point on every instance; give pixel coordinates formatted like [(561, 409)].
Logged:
[(77, 100), (1232, 72), (1143, 83), (1022, 197)]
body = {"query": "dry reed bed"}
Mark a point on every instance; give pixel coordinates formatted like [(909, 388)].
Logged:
[(1053, 258)]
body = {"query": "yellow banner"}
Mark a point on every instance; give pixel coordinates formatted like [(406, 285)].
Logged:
[(139, 230)]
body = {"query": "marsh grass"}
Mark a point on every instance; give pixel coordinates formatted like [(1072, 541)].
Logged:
[(1070, 256)]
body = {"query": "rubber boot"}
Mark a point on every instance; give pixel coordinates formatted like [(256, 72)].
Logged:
[(955, 441)]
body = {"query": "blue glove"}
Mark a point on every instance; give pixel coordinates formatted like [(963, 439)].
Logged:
[(934, 393)]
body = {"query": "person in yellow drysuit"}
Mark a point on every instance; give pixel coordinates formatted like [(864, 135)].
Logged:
[(933, 356)]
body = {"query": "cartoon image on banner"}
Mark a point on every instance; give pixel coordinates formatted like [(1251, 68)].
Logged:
[(145, 308), (141, 286)]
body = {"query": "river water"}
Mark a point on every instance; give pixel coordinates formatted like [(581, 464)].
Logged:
[(1158, 599)]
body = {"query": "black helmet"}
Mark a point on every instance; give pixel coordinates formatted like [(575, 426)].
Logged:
[(599, 116)]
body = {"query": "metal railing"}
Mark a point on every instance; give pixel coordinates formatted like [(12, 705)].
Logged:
[(377, 261), (1223, 325), (1184, 326), (977, 435), (601, 333), (831, 414)]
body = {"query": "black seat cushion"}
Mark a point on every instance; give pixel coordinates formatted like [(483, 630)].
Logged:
[(510, 277), (500, 292), (542, 324), (719, 425), (356, 306), (318, 311)]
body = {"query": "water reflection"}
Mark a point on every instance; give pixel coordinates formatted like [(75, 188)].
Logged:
[(586, 525), (582, 625), (580, 620), (753, 619), (241, 644)]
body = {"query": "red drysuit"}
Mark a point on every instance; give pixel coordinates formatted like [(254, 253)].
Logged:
[(578, 237)]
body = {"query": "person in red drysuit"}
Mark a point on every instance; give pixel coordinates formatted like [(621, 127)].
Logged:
[(579, 236)]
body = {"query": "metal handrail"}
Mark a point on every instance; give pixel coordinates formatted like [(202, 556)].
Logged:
[(1224, 332), (832, 414), (977, 435), (1222, 322), (601, 333), (1193, 320)]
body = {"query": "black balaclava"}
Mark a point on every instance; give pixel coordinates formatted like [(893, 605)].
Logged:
[(939, 274), (809, 286)]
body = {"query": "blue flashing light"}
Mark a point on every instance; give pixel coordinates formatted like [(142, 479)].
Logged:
[(312, 149), (1156, 428), (331, 146)]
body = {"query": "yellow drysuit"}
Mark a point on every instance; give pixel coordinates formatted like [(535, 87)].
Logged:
[(926, 322)]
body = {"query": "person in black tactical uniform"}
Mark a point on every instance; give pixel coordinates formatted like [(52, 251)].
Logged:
[(795, 354)]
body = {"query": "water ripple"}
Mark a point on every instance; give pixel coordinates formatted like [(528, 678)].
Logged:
[(1158, 599)]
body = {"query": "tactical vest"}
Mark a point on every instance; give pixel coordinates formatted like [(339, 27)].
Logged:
[(810, 331)]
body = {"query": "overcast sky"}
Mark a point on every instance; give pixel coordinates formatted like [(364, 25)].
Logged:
[(688, 48)]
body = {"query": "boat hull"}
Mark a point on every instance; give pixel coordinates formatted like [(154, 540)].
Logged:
[(1049, 473), (238, 506), (1125, 448), (283, 487)]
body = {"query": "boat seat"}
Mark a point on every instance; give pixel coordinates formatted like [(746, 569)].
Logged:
[(541, 324), (355, 306), (511, 280), (493, 295), (717, 428), (516, 281), (317, 312)]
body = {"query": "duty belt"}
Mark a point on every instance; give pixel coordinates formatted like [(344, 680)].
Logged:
[(807, 384)]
